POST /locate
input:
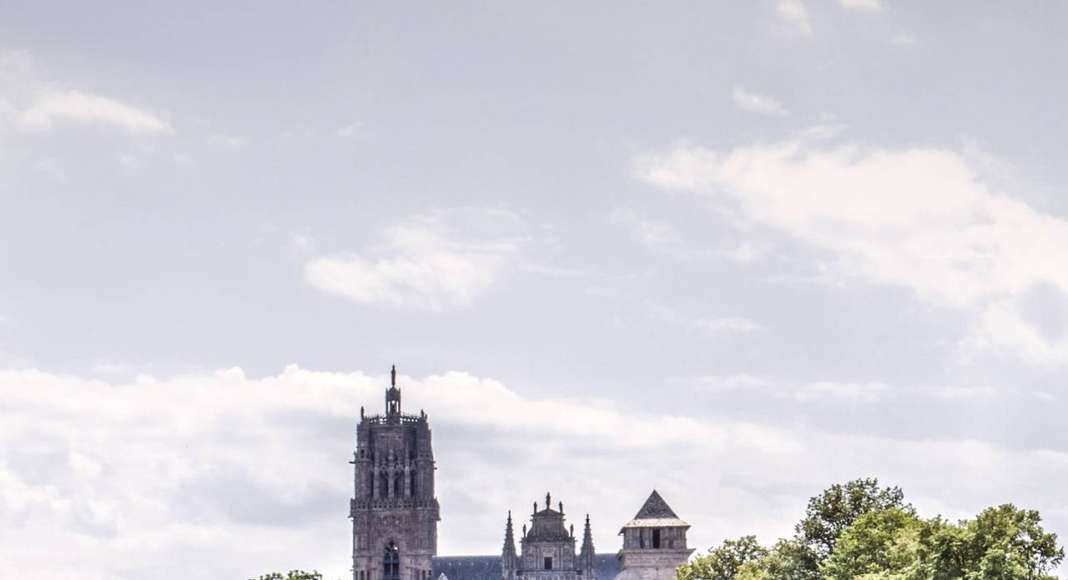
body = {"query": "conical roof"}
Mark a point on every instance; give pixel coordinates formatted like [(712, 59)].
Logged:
[(656, 513), (655, 508)]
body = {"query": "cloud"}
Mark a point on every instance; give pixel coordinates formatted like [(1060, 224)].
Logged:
[(870, 6), (433, 261), (243, 475), (919, 218), (31, 104), (77, 106), (757, 103), (794, 14)]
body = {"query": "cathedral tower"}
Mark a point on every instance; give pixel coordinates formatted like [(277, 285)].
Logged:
[(394, 511)]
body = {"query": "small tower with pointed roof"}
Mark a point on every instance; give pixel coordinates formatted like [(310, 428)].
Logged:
[(654, 542)]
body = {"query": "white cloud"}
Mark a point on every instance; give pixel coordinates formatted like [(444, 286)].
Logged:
[(794, 14), (77, 106), (756, 103), (438, 260), (244, 475), (919, 218), (31, 104), (862, 5)]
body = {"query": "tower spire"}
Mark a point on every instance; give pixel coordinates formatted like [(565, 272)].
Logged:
[(509, 537), (393, 396), (586, 554)]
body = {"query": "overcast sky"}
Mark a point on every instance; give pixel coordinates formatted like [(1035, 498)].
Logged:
[(734, 251)]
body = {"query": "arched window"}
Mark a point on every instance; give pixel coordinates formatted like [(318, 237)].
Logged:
[(398, 484), (383, 486), (391, 562), (413, 483)]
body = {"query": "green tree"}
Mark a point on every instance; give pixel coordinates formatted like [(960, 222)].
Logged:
[(880, 544), (787, 560), (1003, 543), (831, 512), (723, 562)]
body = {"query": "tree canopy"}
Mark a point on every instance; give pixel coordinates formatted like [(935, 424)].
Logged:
[(861, 531)]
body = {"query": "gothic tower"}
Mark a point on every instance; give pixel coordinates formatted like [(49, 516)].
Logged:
[(654, 542), (394, 511)]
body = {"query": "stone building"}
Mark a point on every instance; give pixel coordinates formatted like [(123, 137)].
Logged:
[(394, 512), (395, 520), (548, 548), (654, 542)]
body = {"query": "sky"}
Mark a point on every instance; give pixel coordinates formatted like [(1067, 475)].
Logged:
[(736, 252)]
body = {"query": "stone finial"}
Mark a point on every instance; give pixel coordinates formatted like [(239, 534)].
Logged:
[(561, 507), (548, 501), (393, 376)]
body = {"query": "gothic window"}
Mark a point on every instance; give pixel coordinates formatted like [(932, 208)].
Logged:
[(398, 484), (383, 485), (413, 483), (656, 538), (391, 562), (548, 562)]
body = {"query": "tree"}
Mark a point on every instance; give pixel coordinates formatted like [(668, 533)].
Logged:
[(723, 562), (787, 560), (834, 510), (1003, 543), (861, 531), (880, 544)]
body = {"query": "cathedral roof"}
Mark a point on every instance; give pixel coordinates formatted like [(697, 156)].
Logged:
[(655, 513), (605, 567)]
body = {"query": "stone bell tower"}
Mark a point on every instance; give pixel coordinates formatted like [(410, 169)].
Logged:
[(654, 542), (394, 511)]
